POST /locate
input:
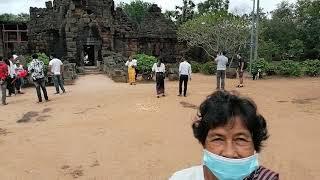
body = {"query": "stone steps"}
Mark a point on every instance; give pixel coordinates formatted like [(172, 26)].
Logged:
[(92, 70)]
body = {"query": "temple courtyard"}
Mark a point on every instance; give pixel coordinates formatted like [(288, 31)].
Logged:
[(103, 130)]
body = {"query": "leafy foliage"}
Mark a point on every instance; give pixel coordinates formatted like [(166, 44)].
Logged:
[(136, 10), (215, 32), (182, 13), (289, 68), (261, 65), (22, 17), (145, 63), (209, 68), (311, 67), (215, 6), (196, 67)]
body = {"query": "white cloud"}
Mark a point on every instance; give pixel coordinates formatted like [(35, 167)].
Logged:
[(18, 6)]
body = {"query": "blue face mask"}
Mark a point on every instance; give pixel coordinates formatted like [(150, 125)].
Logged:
[(230, 169)]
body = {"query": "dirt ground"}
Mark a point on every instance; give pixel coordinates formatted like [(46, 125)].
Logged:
[(101, 130)]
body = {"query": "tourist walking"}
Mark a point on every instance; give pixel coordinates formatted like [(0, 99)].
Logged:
[(241, 67), (3, 76), (131, 71), (159, 69), (56, 68), (184, 76), (221, 61), (36, 67)]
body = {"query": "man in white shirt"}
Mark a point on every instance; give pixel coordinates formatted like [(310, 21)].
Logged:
[(56, 68), (185, 75), (222, 62)]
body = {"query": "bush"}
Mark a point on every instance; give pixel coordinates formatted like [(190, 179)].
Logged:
[(41, 56), (311, 67), (271, 69), (289, 68), (196, 67), (261, 64), (145, 63), (208, 68)]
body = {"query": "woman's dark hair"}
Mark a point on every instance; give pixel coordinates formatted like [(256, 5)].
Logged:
[(34, 56), (221, 107)]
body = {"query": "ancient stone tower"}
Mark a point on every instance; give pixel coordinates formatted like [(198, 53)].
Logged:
[(73, 29)]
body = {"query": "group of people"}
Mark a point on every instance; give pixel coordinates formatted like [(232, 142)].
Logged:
[(12, 75), (185, 72), (159, 70)]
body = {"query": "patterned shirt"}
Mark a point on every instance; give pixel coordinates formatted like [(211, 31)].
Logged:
[(36, 67), (263, 173)]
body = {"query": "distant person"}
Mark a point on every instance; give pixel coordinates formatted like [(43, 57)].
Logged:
[(222, 62), (56, 68), (14, 55), (12, 75), (20, 74), (3, 76), (131, 71), (86, 59), (159, 69), (135, 61), (231, 132), (36, 68), (241, 67), (184, 76)]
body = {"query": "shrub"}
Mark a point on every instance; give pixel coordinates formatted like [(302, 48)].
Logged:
[(208, 68), (311, 67), (271, 69), (41, 56), (261, 64), (289, 68), (196, 67), (145, 63)]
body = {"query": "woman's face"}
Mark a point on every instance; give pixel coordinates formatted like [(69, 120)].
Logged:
[(231, 141)]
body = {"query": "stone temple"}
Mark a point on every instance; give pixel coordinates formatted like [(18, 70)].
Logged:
[(73, 29)]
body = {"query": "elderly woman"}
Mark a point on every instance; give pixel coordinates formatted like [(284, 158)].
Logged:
[(231, 132)]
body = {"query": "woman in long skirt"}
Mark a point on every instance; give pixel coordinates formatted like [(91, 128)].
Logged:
[(131, 71), (160, 69)]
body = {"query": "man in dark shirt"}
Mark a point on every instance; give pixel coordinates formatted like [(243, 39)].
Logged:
[(241, 68)]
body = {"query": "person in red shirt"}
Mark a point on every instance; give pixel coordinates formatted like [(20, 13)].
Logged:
[(3, 77)]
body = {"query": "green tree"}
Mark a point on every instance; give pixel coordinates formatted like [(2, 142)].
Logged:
[(215, 6), (185, 12), (281, 28), (296, 49), (136, 10), (308, 25), (216, 32), (22, 17)]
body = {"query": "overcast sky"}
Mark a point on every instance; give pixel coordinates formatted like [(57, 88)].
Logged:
[(19, 6)]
